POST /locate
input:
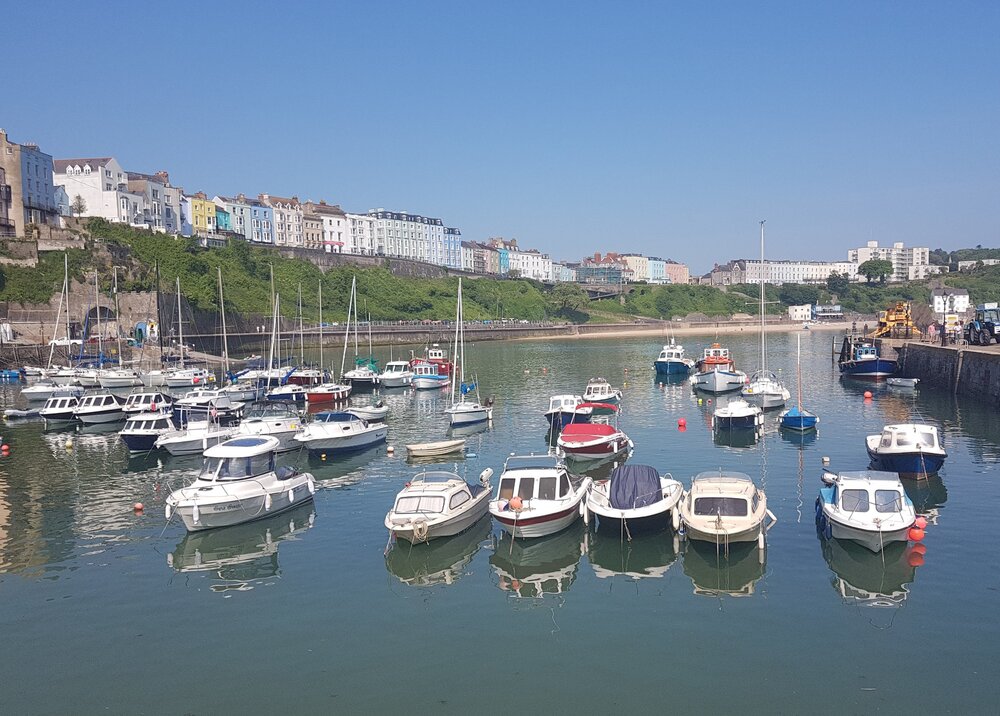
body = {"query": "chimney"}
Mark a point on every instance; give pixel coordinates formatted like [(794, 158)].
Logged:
[(163, 175)]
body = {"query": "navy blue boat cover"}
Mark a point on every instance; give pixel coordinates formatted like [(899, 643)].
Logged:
[(635, 486)]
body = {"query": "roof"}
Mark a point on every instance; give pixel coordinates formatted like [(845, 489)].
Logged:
[(243, 447), (949, 292), (59, 166)]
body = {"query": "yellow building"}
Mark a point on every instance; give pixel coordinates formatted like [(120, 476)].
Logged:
[(202, 214)]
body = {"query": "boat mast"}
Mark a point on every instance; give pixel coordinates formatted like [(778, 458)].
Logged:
[(159, 311), (798, 369), (454, 350), (321, 325), (222, 311), (100, 338), (302, 335), (763, 358), (66, 291), (180, 323), (55, 329), (347, 330), (118, 318)]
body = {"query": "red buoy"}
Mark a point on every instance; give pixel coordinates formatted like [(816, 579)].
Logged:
[(682, 422), (916, 534), (920, 522), (868, 395), (137, 507)]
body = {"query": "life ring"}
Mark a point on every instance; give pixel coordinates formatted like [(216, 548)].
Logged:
[(420, 529)]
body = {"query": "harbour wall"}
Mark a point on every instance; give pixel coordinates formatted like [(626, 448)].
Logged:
[(961, 369)]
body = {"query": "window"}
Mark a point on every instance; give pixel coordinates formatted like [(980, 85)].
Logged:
[(888, 501), (421, 503), (506, 489), (526, 488), (854, 501), (458, 499), (547, 488), (723, 506), (903, 440)]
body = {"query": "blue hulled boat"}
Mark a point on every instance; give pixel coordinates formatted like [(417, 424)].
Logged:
[(912, 450), (861, 358), (797, 418), (671, 361)]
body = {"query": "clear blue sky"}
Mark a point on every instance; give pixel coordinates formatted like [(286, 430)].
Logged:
[(665, 128)]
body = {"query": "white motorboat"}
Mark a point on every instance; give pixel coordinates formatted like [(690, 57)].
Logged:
[(333, 432), (737, 414), (725, 507), (67, 376), (119, 378), (638, 496), (464, 411), (716, 372), (196, 437), (537, 496), (43, 391), (142, 429), (100, 408), (867, 507), (437, 504), (902, 382), (243, 391), (910, 449), (435, 449), (595, 439), (59, 409), (148, 402), (427, 377), (207, 403), (397, 374), (239, 483), (599, 390), (156, 378), (189, 378), (274, 419), (374, 412)]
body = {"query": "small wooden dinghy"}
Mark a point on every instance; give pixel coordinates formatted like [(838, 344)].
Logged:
[(441, 447), (903, 382)]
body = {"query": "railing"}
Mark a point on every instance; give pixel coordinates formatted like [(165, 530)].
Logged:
[(7, 228)]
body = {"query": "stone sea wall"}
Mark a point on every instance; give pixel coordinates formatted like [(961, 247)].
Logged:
[(961, 369)]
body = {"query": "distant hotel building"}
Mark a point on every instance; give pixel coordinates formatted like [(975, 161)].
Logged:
[(907, 264), (778, 272), (412, 236)]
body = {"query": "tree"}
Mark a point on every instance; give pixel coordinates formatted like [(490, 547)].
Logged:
[(78, 206), (875, 268), (566, 297), (838, 283), (797, 294)]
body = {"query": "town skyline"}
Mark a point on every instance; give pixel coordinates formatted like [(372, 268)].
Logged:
[(661, 131)]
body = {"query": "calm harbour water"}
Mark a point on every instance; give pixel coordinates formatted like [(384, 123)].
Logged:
[(104, 611)]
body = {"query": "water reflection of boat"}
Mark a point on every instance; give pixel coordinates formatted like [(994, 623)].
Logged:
[(736, 437), (340, 470), (440, 562), (797, 437), (713, 572), (244, 552), (649, 555), (537, 567), (927, 496), (869, 579), (462, 431)]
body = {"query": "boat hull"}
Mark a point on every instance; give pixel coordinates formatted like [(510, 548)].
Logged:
[(749, 534), (541, 525), (425, 383), (741, 422), (594, 450), (671, 367), (719, 381), (98, 418), (195, 445), (339, 445), (396, 381), (446, 528), (139, 442), (911, 464), (469, 416), (235, 512), (876, 368)]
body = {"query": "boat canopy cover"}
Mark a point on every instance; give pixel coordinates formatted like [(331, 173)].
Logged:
[(585, 430), (599, 406), (634, 486)]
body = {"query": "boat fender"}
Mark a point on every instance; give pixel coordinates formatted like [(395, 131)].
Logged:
[(420, 529), (675, 519), (167, 512), (585, 513), (291, 495), (312, 487), (195, 514), (267, 502), (760, 540)]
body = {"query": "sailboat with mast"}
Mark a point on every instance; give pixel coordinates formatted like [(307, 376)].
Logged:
[(764, 388), (365, 373), (120, 377), (462, 411), (330, 391), (182, 376), (795, 418)]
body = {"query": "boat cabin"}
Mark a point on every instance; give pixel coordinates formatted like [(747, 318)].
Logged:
[(909, 438), (534, 477), (671, 353), (597, 389), (239, 459), (349, 421), (435, 353), (866, 491), (558, 403), (724, 495), (434, 492), (69, 402), (865, 351), (716, 355), (102, 400), (148, 422), (397, 366), (427, 370), (142, 402)]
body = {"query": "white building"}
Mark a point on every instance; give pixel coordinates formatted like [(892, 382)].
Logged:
[(335, 225), (800, 313), (949, 300), (966, 265), (103, 185), (361, 234), (778, 272), (410, 236), (530, 263), (287, 219), (907, 264)]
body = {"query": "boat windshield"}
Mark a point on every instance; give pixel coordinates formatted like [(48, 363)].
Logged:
[(531, 462), (236, 468), (888, 501), (412, 504), (722, 506), (854, 500)]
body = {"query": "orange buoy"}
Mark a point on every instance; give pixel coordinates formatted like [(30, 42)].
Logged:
[(915, 534), (137, 507), (515, 503), (868, 395), (915, 559), (920, 522)]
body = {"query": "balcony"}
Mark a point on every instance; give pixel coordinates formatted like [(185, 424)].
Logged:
[(7, 228)]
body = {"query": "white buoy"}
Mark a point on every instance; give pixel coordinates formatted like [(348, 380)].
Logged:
[(69, 443), (390, 449), (826, 460)]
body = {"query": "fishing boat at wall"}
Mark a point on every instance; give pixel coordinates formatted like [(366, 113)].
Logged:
[(59, 409), (862, 358), (636, 497), (278, 420), (737, 414), (797, 418), (464, 410), (866, 506), (195, 437), (563, 409), (148, 402), (716, 372), (438, 448), (99, 408), (537, 496), (437, 504), (671, 361), (397, 374), (599, 390), (333, 432), (724, 507), (911, 449), (239, 483), (597, 438), (426, 376), (763, 388), (142, 430)]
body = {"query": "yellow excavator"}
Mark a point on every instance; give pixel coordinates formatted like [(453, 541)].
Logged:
[(896, 322)]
